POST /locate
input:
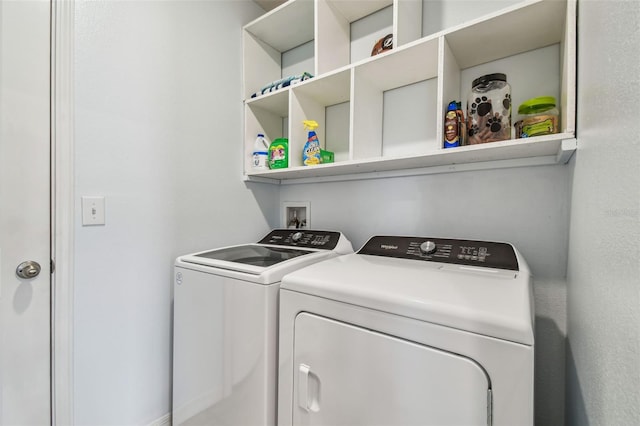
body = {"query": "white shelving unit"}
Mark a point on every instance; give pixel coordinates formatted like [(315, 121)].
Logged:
[(448, 58)]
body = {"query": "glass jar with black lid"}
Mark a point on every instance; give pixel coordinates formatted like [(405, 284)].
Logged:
[(489, 109)]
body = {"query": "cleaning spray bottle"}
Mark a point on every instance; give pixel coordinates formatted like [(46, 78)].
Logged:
[(311, 152)]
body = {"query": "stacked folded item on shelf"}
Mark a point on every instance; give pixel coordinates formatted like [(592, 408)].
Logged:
[(283, 82)]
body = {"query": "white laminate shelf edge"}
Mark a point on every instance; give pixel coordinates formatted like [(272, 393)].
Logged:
[(538, 151)]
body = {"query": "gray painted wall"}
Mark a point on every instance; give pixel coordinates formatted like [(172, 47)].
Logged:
[(158, 132), (603, 351)]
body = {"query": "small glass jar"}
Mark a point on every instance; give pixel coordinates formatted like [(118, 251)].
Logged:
[(539, 116), (489, 109)]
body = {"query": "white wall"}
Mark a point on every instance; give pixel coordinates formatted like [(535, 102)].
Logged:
[(528, 207), (603, 351), (158, 133)]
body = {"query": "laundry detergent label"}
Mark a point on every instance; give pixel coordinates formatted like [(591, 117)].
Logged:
[(311, 152)]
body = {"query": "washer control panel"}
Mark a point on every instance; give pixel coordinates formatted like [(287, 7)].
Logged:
[(461, 252), (326, 240)]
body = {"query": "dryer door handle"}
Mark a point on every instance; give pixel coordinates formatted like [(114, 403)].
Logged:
[(308, 389), (303, 387)]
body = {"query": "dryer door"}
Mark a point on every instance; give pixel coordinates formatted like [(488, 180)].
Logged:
[(347, 375)]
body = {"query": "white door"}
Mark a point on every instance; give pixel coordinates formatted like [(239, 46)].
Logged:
[(25, 212), (347, 375)]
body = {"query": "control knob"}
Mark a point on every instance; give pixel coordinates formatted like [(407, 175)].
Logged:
[(428, 247), (296, 237)]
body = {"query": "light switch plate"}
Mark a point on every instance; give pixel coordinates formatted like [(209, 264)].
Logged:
[(92, 211)]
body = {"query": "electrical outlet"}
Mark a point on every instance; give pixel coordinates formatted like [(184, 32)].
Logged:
[(92, 211)]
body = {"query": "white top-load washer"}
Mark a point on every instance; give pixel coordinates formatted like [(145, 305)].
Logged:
[(225, 325), (408, 331)]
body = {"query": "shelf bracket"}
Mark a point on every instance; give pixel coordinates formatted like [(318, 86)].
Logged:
[(566, 151)]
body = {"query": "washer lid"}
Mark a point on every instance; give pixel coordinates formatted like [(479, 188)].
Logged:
[(487, 301), (256, 255), (253, 259), (278, 253)]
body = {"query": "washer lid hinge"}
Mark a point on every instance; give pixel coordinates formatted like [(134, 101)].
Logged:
[(489, 407)]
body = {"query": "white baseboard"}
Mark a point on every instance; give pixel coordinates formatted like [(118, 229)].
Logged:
[(162, 421)]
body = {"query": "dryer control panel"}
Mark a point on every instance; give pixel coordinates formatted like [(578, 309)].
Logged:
[(461, 252), (326, 240)]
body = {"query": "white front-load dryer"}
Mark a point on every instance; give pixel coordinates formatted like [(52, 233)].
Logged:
[(408, 331), (225, 325)]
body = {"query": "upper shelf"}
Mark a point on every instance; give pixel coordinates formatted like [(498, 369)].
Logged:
[(354, 10), (541, 150), (526, 26), (297, 17)]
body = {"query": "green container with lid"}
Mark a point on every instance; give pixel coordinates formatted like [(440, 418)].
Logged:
[(537, 105), (539, 116)]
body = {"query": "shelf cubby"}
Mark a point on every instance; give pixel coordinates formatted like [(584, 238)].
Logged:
[(518, 41), (333, 31), (309, 101), (412, 63), (267, 38), (268, 115), (383, 115)]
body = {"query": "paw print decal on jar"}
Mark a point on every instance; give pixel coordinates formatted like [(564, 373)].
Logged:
[(489, 109)]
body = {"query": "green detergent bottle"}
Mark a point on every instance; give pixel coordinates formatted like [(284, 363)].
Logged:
[(279, 154)]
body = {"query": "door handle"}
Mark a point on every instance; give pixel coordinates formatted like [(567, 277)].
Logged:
[(303, 387), (308, 389), (28, 269)]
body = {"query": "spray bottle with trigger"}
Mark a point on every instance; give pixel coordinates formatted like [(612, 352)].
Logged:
[(311, 152)]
